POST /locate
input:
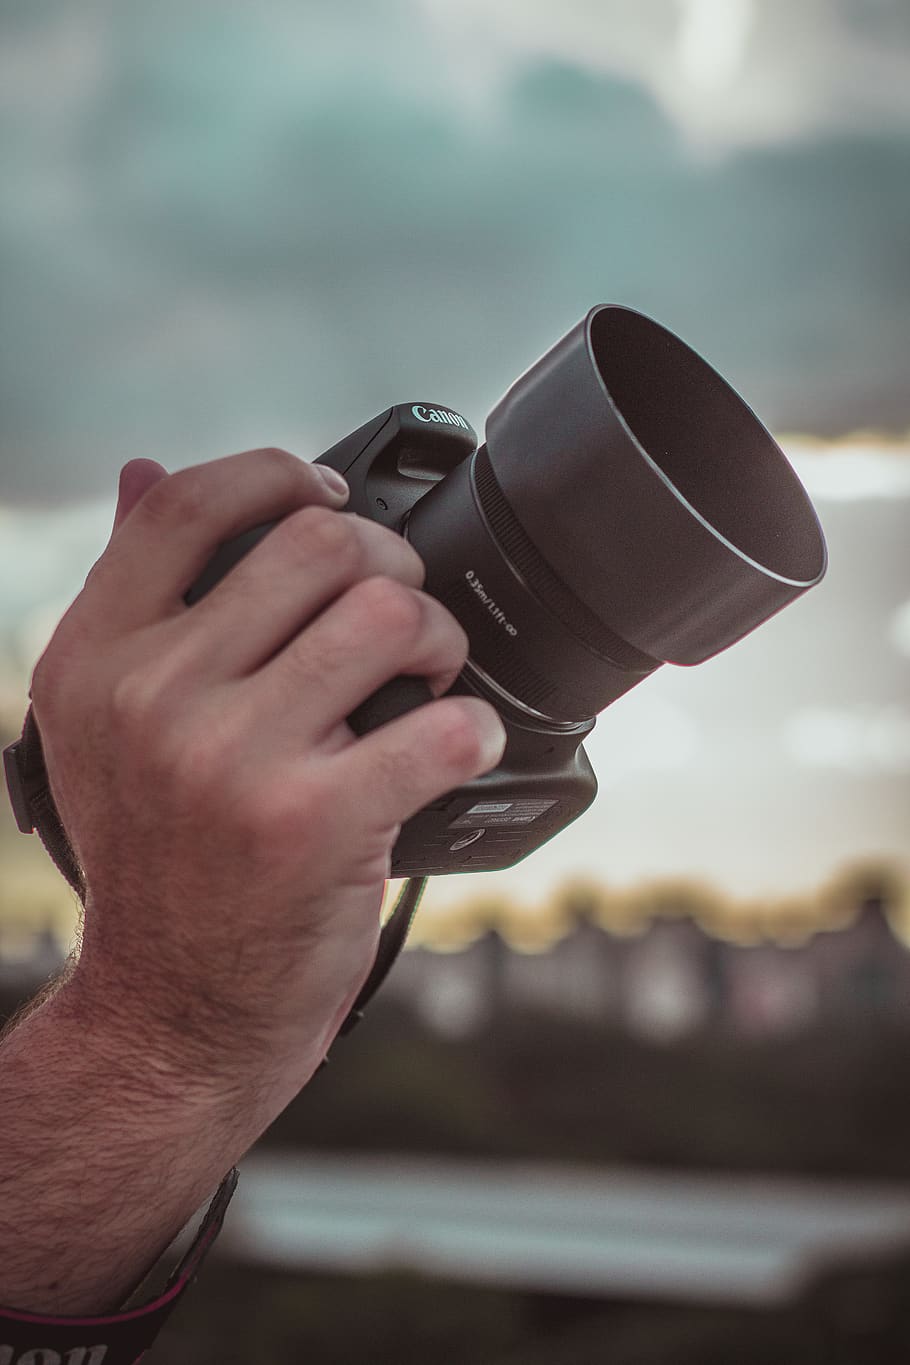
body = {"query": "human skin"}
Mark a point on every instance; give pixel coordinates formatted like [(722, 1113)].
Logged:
[(235, 837)]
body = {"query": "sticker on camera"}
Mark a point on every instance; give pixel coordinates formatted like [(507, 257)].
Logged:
[(502, 813)]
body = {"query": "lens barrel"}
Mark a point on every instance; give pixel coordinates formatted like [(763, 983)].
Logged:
[(628, 509)]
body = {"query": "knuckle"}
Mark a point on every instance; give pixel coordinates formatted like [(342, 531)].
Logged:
[(390, 549), (412, 562), (285, 818), (389, 607), (136, 704), (459, 742), (321, 534), (177, 499), (193, 757), (281, 461), (454, 636), (194, 766)]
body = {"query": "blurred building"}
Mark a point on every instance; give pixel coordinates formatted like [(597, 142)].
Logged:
[(670, 980), (666, 980)]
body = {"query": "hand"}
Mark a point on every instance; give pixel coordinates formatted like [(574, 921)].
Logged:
[(234, 833)]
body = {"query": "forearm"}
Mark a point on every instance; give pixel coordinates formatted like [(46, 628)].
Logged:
[(105, 1156)]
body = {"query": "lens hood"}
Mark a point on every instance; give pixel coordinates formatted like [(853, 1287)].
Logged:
[(670, 511)]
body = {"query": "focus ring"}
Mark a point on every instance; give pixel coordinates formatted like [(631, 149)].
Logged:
[(547, 587)]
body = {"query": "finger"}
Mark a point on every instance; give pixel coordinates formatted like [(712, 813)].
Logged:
[(136, 477), (179, 521), (416, 759), (375, 631), (302, 565)]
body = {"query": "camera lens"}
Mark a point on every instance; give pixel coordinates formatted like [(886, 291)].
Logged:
[(627, 509)]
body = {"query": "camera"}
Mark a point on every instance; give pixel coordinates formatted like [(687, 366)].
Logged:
[(627, 509)]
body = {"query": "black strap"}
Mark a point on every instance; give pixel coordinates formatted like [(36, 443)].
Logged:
[(33, 805), (35, 809), (391, 941)]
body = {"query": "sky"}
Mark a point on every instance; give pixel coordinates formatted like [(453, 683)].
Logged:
[(227, 226)]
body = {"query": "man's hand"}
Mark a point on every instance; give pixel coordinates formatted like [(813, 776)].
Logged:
[(235, 837), (234, 834)]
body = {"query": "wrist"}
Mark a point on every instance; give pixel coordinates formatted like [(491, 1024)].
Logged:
[(189, 1045), (90, 1144), (147, 1083)]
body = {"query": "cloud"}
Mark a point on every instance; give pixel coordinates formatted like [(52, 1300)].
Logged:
[(654, 736), (900, 629), (46, 552), (852, 471), (860, 740), (44, 557), (728, 73), (224, 227)]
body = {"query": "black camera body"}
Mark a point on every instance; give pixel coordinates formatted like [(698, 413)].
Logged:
[(544, 780), (626, 509)]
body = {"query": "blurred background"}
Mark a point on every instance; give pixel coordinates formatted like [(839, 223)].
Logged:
[(644, 1097)]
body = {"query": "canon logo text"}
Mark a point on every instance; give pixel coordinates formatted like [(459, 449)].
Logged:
[(449, 419)]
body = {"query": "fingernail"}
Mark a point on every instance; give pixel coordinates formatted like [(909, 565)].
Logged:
[(335, 482)]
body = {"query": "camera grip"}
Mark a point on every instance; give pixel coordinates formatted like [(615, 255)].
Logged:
[(393, 699)]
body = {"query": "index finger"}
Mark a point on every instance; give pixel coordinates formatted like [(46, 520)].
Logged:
[(181, 519)]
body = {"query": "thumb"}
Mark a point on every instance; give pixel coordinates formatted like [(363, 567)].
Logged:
[(136, 477)]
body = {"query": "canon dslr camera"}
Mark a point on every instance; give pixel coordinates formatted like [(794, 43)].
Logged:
[(627, 509)]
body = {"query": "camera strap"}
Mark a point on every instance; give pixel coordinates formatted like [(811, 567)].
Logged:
[(34, 806)]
